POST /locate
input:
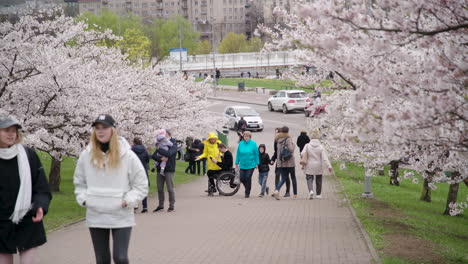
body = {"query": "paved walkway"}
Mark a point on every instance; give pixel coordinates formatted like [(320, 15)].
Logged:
[(232, 230), (225, 230)]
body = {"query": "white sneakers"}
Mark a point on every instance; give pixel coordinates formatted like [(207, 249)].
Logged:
[(276, 195), (311, 195)]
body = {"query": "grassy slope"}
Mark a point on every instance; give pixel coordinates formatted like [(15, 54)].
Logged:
[(425, 220), (64, 209)]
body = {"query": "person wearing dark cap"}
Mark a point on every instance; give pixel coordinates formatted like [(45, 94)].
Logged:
[(24, 196), (109, 181)]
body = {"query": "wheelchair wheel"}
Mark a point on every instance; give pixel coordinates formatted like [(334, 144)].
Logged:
[(225, 185)]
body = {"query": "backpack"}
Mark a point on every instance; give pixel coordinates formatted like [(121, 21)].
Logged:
[(285, 154)]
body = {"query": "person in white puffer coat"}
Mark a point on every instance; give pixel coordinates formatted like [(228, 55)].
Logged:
[(315, 163), (109, 181)]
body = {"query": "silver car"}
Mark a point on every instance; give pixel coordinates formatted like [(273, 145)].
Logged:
[(288, 100), (252, 117)]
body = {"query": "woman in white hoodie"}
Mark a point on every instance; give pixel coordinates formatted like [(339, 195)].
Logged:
[(315, 163), (109, 181)]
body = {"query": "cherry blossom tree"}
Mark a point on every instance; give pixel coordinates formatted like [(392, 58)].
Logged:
[(56, 80), (406, 61)]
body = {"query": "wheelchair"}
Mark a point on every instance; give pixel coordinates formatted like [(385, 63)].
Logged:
[(225, 183)]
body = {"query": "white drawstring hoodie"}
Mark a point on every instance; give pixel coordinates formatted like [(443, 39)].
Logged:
[(102, 191)]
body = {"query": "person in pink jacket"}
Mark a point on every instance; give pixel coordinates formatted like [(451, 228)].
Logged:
[(315, 163)]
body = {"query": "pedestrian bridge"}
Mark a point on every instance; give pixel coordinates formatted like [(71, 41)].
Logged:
[(261, 62)]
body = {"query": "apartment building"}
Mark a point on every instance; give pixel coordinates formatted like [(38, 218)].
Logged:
[(214, 19)]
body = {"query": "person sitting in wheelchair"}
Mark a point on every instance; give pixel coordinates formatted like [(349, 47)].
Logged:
[(227, 161)]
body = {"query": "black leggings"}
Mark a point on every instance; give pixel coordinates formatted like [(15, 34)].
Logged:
[(212, 174), (121, 239)]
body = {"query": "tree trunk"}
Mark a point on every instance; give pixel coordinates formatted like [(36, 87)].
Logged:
[(394, 172), (452, 194), (54, 175), (426, 191)]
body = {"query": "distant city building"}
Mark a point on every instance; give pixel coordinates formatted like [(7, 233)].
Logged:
[(214, 19)]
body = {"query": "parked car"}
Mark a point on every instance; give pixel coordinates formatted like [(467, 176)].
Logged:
[(234, 113), (288, 100)]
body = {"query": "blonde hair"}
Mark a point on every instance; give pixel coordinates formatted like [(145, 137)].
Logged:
[(315, 133), (248, 133), (113, 155)]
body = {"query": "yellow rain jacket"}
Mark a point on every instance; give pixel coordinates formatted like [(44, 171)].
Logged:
[(211, 151)]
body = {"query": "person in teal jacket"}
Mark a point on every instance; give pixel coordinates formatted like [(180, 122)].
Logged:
[(247, 159)]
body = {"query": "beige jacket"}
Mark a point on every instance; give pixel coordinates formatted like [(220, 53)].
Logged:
[(286, 140), (315, 159)]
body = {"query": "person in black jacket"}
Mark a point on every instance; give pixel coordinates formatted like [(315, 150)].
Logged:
[(143, 155), (263, 170), (189, 155), (24, 196), (169, 156), (197, 146), (277, 172), (302, 140), (227, 161)]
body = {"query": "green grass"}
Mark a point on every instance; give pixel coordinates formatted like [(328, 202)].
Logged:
[(424, 220), (64, 209), (274, 84)]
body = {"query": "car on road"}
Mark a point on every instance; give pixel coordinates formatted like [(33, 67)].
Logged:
[(251, 116), (288, 100)]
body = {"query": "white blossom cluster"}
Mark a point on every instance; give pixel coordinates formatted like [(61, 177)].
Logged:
[(407, 64), (56, 77)]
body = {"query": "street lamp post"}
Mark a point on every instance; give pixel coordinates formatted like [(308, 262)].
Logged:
[(214, 55)]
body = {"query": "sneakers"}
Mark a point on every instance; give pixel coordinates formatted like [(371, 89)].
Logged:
[(267, 190), (144, 211), (295, 196), (319, 196), (286, 194), (261, 195), (276, 195), (311, 195), (159, 208), (247, 195), (170, 209)]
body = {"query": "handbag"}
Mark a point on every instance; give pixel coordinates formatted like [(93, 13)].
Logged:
[(236, 176)]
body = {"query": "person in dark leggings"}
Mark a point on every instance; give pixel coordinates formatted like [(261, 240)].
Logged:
[(277, 171), (247, 160), (121, 239), (110, 181)]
